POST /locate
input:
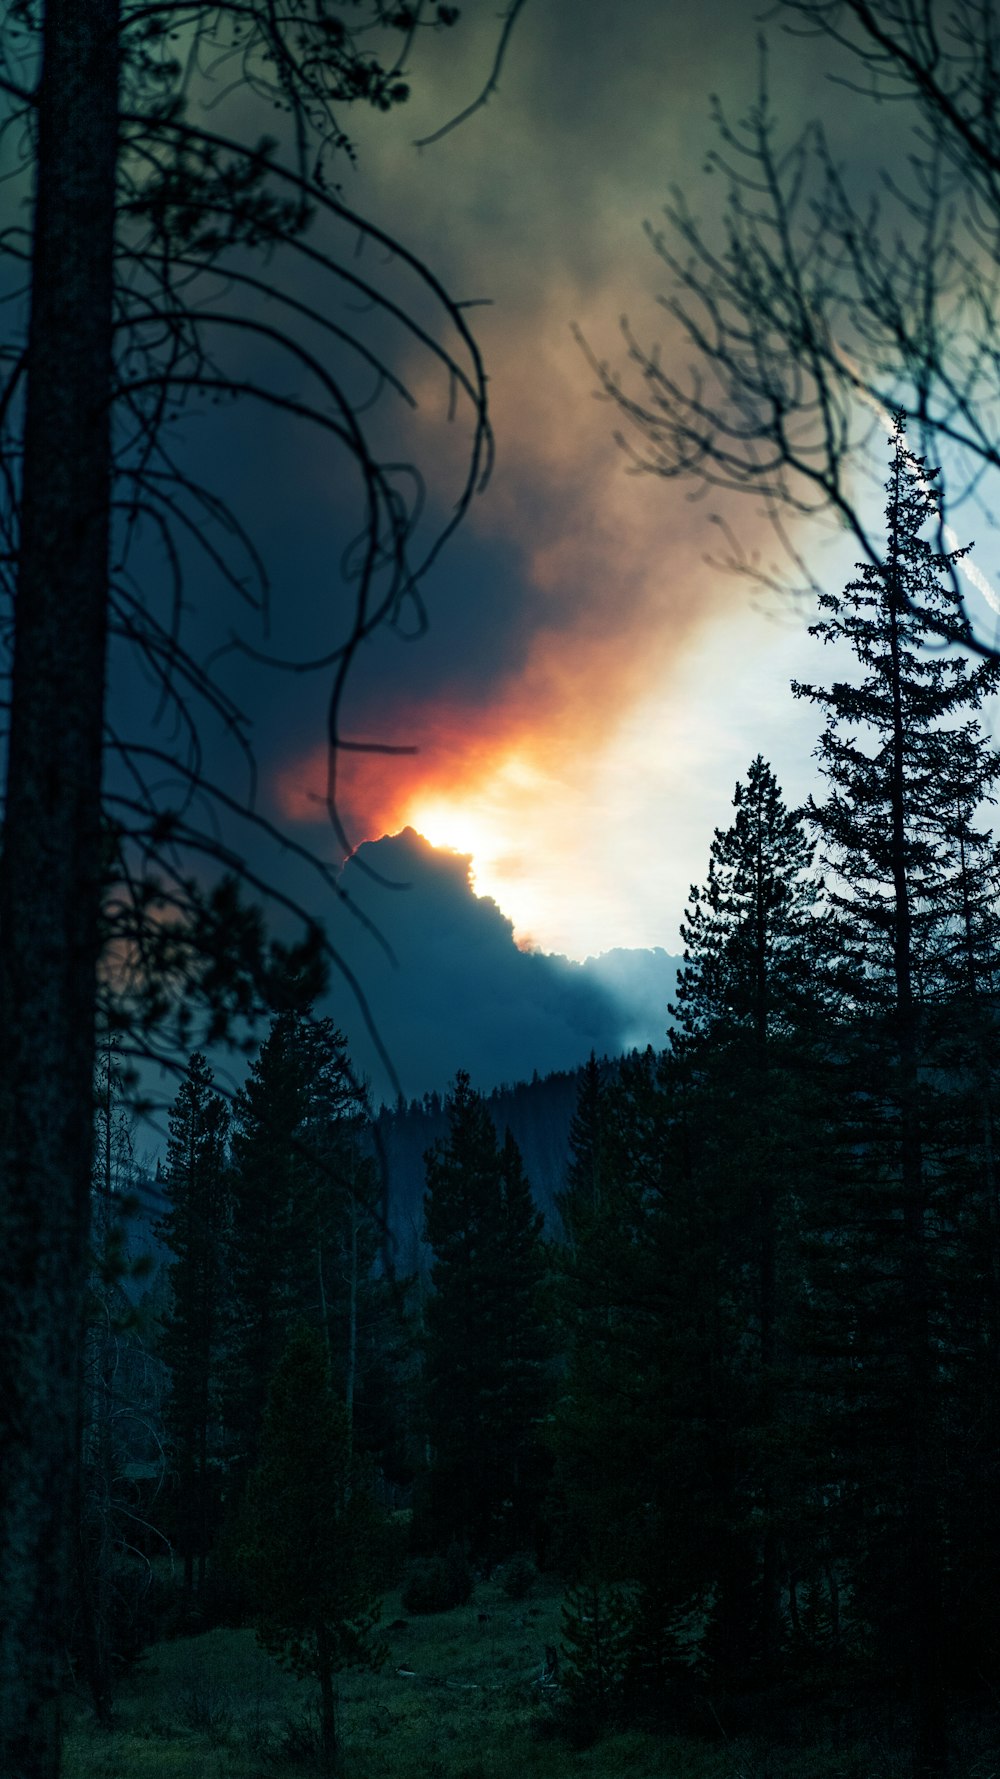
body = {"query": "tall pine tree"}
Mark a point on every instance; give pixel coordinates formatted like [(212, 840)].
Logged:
[(898, 741), (486, 1373), (679, 1288), (748, 932), (298, 1250), (311, 1534), (194, 1229), (579, 1203), (738, 1080)]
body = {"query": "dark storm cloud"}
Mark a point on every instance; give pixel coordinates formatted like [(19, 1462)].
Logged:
[(571, 588), (575, 591), (572, 592), (461, 994)]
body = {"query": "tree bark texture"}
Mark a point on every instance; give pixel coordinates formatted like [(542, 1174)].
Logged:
[(51, 867)]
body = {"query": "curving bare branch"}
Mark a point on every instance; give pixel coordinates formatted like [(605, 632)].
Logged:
[(819, 302)]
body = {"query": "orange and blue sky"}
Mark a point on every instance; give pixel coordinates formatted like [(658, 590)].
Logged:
[(590, 687), (591, 683)]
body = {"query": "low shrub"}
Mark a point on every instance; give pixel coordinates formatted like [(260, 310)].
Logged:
[(576, 1721), (518, 1577), (205, 1707), (436, 1584)]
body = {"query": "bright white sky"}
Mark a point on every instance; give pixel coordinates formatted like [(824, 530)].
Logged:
[(613, 865)]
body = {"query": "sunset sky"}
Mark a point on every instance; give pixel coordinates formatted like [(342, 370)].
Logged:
[(591, 683), (590, 688)]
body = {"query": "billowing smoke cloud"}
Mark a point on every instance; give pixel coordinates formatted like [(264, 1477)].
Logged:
[(577, 587), (460, 994), (591, 686)]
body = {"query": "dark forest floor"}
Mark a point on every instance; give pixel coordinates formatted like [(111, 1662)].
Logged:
[(460, 1698)]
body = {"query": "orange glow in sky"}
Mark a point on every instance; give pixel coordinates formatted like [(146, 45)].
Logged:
[(461, 755), (472, 788), (588, 832)]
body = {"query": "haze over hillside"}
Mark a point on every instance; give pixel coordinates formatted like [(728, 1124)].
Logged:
[(459, 994)]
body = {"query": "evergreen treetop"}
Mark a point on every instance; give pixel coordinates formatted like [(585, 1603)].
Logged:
[(907, 766), (579, 1204), (908, 770), (486, 1345), (296, 1180), (749, 932)]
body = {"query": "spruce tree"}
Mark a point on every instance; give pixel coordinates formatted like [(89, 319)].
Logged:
[(311, 1534), (749, 996), (300, 1225), (968, 1042), (738, 1084), (597, 1645), (897, 741), (612, 1396), (97, 1631), (679, 1289), (486, 1375), (579, 1203), (194, 1229), (524, 1350), (606, 1301), (651, 1401), (748, 932)]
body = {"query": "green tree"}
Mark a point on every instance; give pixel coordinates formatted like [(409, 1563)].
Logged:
[(524, 1349), (195, 1229), (311, 1534), (606, 1298), (748, 932), (597, 1630), (680, 1287), (579, 1203), (124, 1463), (741, 1069), (894, 741), (650, 1398), (486, 1371), (966, 1040), (297, 1211), (106, 1408)]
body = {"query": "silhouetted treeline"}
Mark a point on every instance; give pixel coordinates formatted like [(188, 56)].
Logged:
[(538, 1115), (776, 1436)]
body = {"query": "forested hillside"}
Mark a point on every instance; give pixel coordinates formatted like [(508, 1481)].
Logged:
[(538, 1115)]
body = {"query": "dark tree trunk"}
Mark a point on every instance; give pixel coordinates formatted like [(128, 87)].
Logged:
[(93, 1586), (924, 1552), (328, 1701), (763, 941), (203, 1494), (50, 878)]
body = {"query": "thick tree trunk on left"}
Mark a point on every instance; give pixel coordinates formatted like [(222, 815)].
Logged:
[(50, 877)]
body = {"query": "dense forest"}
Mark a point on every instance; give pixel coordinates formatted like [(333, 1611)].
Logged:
[(736, 1397)]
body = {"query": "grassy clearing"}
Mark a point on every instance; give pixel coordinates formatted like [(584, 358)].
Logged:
[(457, 1686), (458, 1699)]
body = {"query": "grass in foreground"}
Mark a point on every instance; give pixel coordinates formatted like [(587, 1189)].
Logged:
[(459, 1698)]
